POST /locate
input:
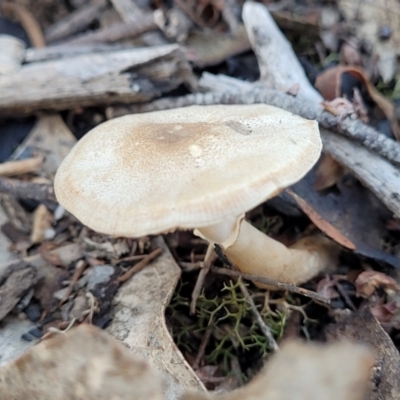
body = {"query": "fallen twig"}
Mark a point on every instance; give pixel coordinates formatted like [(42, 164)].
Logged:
[(40, 192), (90, 79), (113, 33), (265, 329), (271, 282), (140, 265), (204, 342), (209, 258), (80, 267), (354, 129), (18, 167), (74, 22)]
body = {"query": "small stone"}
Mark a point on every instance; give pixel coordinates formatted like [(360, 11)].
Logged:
[(59, 294), (33, 312), (36, 332), (27, 337), (100, 274)]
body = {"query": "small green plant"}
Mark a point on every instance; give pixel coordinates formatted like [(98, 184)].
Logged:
[(234, 331)]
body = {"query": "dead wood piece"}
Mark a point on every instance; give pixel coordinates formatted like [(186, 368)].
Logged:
[(205, 48), (60, 51), (12, 168), (12, 54), (279, 67), (271, 282), (40, 192), (116, 32), (128, 10), (15, 282), (134, 75), (74, 22)]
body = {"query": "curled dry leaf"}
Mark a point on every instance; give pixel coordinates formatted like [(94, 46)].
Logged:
[(85, 363), (329, 84), (308, 372), (368, 281), (350, 215), (139, 322)]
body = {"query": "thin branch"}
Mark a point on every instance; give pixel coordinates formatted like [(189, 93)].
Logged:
[(209, 258), (204, 342), (114, 33), (140, 265), (272, 282), (40, 192), (265, 329), (354, 129)]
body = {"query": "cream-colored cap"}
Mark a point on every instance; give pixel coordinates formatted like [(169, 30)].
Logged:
[(184, 168)]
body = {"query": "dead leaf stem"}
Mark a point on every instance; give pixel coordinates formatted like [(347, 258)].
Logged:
[(272, 282)]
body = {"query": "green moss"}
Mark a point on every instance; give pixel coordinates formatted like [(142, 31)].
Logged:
[(234, 332)]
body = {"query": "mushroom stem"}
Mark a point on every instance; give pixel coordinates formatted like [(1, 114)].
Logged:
[(255, 253)]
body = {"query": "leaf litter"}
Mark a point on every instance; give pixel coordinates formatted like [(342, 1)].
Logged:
[(66, 275)]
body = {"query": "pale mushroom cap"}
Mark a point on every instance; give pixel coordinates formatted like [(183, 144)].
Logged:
[(184, 168)]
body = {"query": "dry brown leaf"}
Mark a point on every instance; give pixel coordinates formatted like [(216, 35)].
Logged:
[(139, 321), (363, 328), (368, 281), (350, 214), (85, 363), (308, 372), (328, 172), (321, 223)]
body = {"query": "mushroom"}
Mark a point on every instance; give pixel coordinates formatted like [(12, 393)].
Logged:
[(198, 167)]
